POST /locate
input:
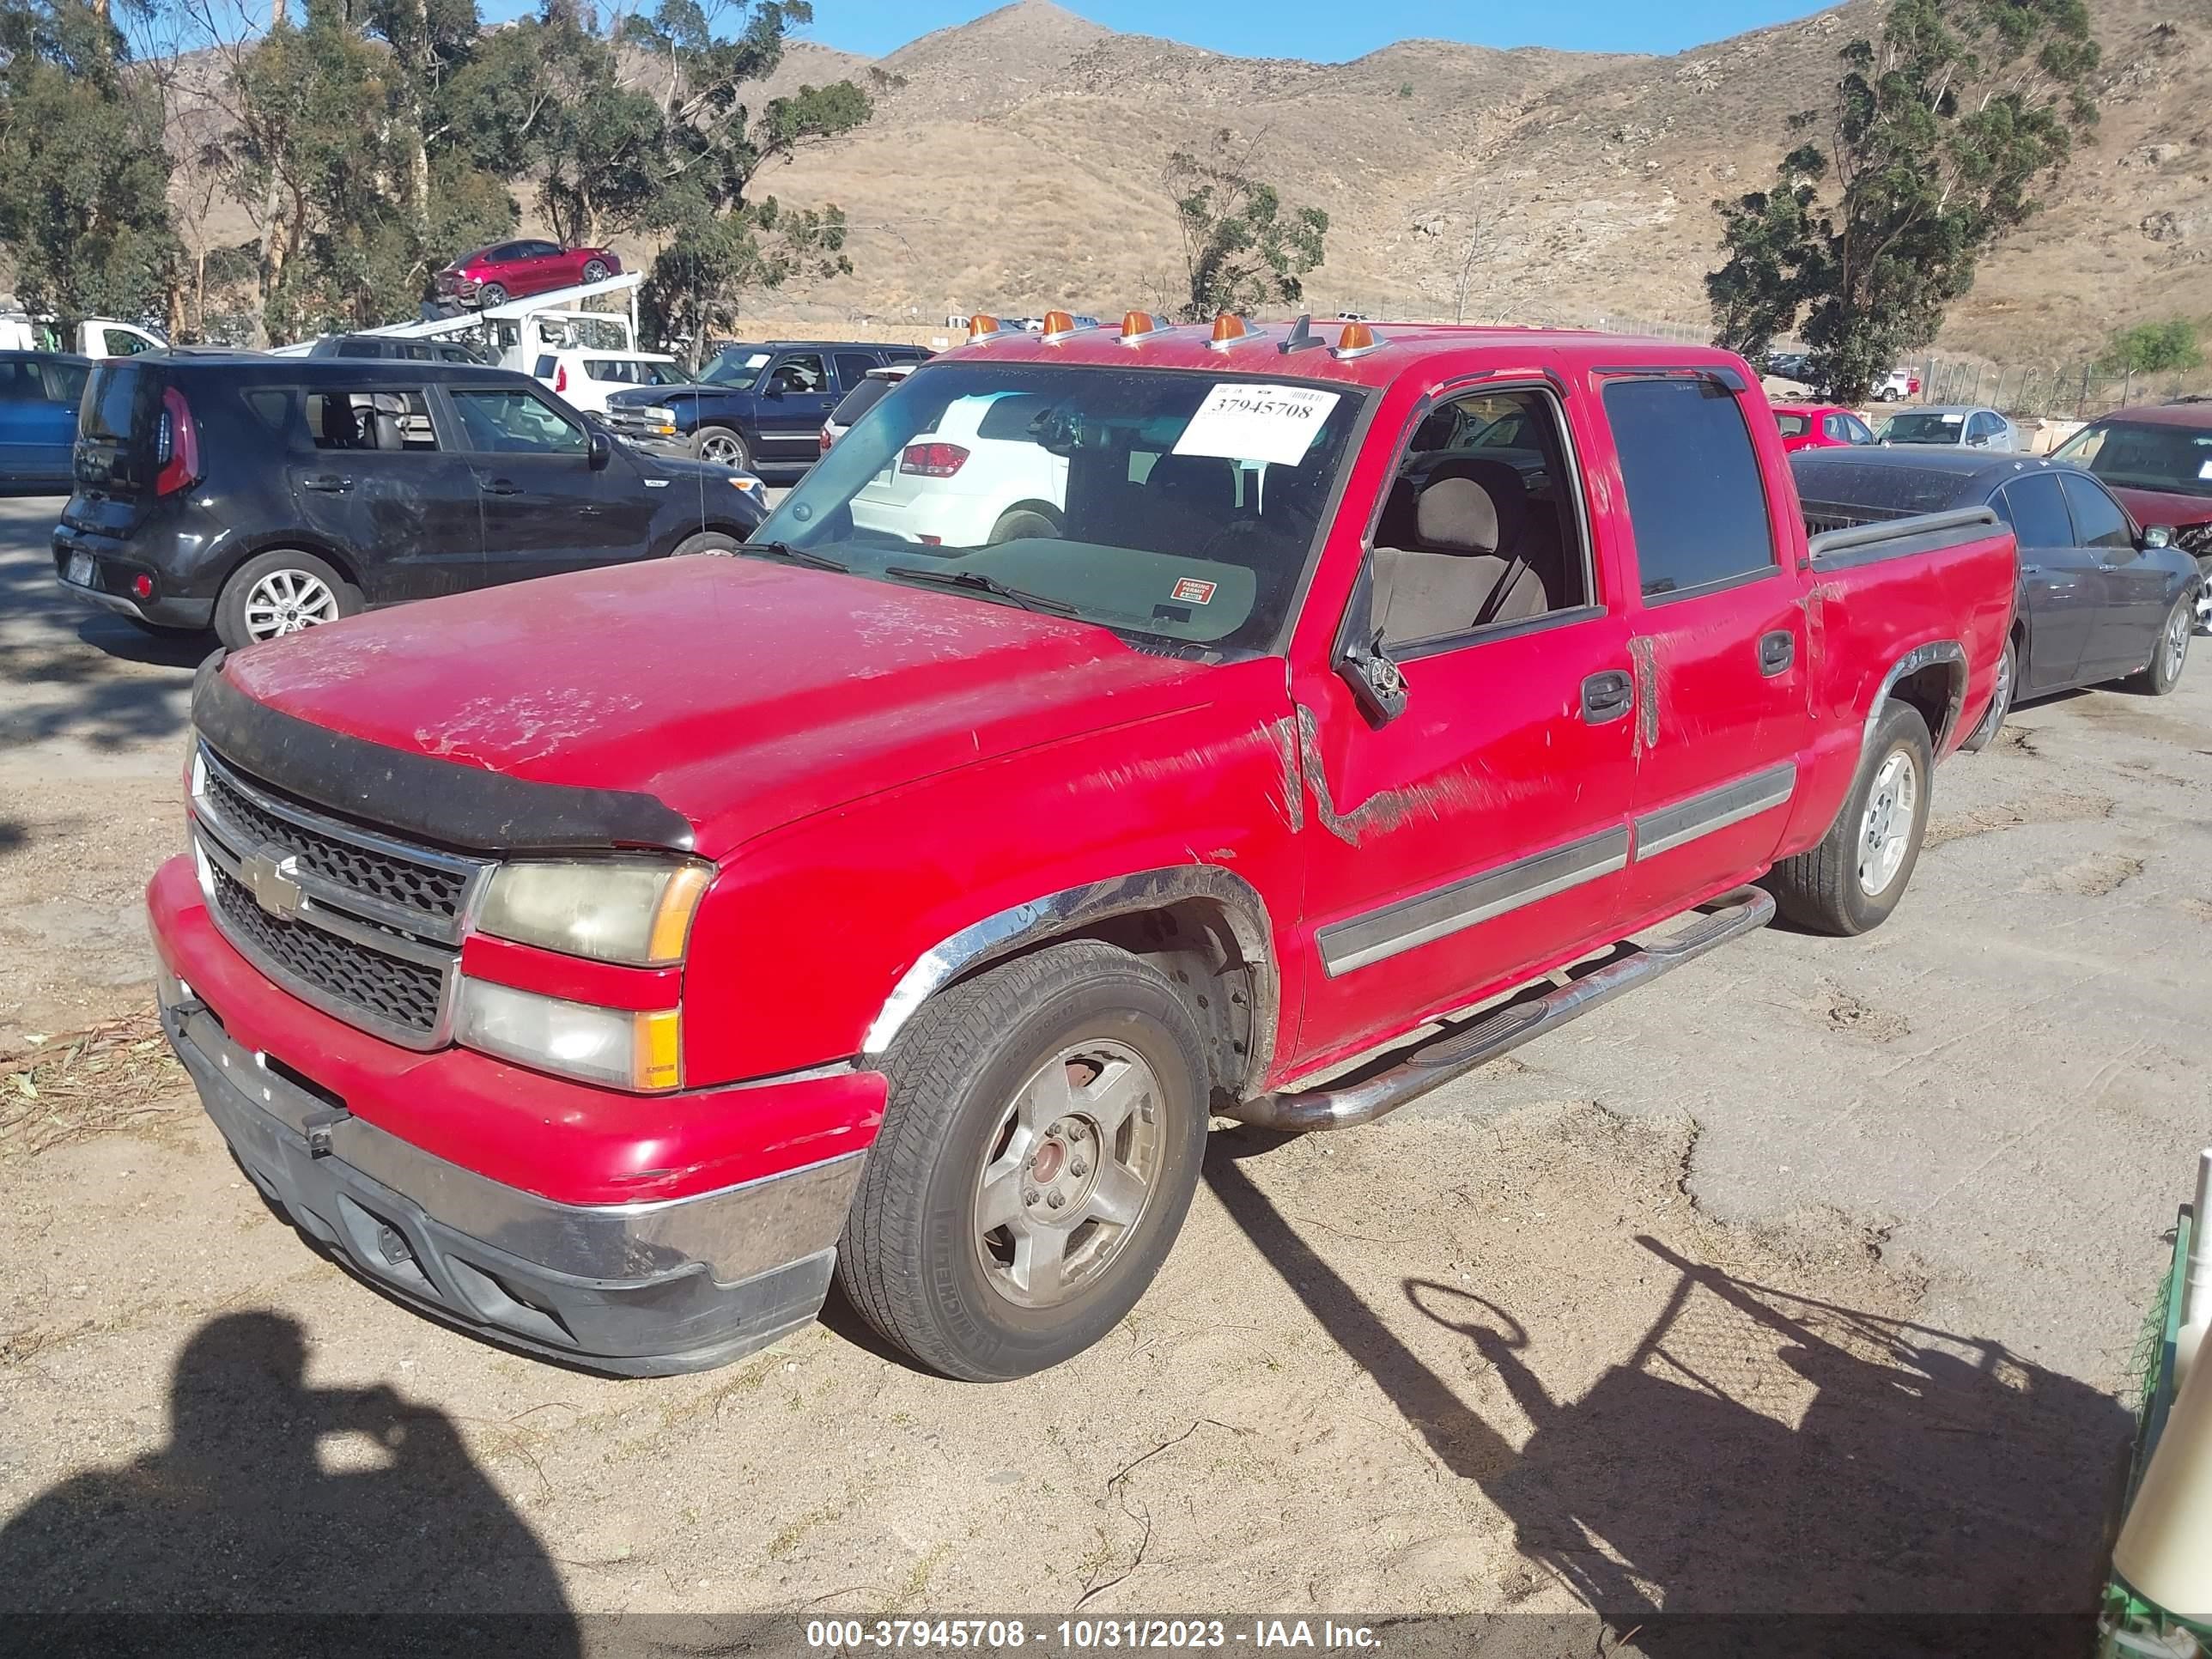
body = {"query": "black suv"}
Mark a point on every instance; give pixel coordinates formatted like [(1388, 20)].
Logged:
[(757, 408), (369, 346), (262, 494)]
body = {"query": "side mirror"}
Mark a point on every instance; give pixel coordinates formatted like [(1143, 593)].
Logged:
[(2158, 535), (599, 448), (1378, 684)]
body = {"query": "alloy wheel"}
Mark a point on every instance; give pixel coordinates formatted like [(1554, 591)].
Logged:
[(285, 601)]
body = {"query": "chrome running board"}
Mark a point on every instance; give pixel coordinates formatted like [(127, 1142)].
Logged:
[(1436, 1059)]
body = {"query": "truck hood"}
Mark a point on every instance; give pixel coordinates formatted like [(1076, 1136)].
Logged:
[(648, 396), (743, 695)]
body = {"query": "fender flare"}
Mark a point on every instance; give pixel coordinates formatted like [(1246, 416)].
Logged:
[(1949, 652), (1071, 910)]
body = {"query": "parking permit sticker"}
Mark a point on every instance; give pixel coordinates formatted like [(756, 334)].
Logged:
[(1191, 591), (1273, 423)]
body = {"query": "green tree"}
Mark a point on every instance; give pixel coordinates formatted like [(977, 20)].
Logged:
[(1931, 150), (83, 176), (2153, 349), (1242, 248)]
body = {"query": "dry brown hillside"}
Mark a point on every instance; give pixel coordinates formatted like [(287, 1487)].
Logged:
[(1019, 166)]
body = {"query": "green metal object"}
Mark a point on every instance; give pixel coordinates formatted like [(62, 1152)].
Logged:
[(2129, 1627)]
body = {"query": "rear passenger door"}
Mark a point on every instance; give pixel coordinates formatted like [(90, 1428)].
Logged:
[(374, 478), (2062, 589), (1718, 635), (796, 397)]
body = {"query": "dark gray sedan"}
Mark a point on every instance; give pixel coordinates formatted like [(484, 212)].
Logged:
[(2101, 598)]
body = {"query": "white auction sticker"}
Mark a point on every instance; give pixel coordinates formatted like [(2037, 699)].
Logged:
[(1273, 423)]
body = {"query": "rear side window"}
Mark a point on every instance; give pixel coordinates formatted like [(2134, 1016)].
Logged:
[(545, 367), (114, 399), (1792, 425), (2036, 511), (1695, 499), (377, 418), (359, 349), (859, 401), (2098, 520), (852, 367)]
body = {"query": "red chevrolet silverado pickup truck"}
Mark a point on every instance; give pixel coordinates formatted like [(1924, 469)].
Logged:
[(603, 964)]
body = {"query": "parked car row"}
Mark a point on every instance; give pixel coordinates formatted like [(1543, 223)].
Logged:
[(1111, 731)]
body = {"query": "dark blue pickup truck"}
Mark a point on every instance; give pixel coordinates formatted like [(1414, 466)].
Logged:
[(758, 408)]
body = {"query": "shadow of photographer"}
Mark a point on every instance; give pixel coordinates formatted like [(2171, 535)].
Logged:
[(285, 1518)]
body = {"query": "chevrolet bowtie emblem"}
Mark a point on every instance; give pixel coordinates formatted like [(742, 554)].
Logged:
[(268, 876)]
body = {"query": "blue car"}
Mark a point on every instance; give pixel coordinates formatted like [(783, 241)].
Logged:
[(38, 394)]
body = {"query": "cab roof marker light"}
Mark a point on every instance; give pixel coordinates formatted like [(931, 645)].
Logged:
[(1059, 325), (1138, 326), (982, 327), (1229, 333), (1356, 341)]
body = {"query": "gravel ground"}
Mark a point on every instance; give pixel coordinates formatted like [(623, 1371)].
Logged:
[(1805, 1281)]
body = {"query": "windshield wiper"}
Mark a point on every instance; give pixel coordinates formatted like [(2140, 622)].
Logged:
[(806, 556), (977, 581)]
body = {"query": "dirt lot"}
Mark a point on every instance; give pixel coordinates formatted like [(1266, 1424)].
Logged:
[(1803, 1281)]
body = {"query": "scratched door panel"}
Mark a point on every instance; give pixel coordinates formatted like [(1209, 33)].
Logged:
[(1475, 836)]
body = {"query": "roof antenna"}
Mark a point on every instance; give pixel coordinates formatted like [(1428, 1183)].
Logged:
[(1301, 337)]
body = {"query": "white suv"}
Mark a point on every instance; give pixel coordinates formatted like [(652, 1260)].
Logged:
[(978, 478)]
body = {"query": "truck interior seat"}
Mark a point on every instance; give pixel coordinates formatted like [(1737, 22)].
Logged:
[(1466, 540)]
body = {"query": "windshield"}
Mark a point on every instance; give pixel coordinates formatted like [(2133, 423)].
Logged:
[(2144, 455), (735, 365), (1178, 504), (1924, 426)]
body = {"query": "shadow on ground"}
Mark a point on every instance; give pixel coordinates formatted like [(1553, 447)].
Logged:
[(273, 1507), (1930, 1475)]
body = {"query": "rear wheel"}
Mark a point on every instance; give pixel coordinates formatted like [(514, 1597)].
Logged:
[(595, 271), (281, 591), (2171, 654), (1854, 879), (1025, 523), (721, 446), (491, 294), (1041, 1146)]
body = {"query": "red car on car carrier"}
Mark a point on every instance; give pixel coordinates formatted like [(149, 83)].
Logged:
[(512, 271), (602, 963)]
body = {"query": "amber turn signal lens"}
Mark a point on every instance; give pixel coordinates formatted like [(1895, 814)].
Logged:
[(1357, 337), (1136, 322), (981, 328)]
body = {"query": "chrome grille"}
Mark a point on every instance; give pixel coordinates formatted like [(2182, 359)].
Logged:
[(358, 924)]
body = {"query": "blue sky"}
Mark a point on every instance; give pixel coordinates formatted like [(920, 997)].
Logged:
[(1328, 32)]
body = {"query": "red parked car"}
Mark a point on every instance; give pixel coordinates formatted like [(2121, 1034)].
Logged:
[(2157, 458), (510, 271), (600, 964), (1820, 426)]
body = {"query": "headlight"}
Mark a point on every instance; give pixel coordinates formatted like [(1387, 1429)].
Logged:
[(634, 911), (658, 419), (641, 1052)]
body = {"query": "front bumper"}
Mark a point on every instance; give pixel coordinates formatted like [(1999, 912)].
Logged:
[(645, 1289), (634, 1286)]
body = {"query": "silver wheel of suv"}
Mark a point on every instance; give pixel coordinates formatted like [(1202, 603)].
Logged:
[(1885, 827), (1072, 1165), (722, 448), (285, 601)]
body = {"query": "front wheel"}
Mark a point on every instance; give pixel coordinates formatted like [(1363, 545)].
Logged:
[(2171, 654), (1040, 1150), (1854, 879), (707, 541), (281, 593), (720, 447)]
